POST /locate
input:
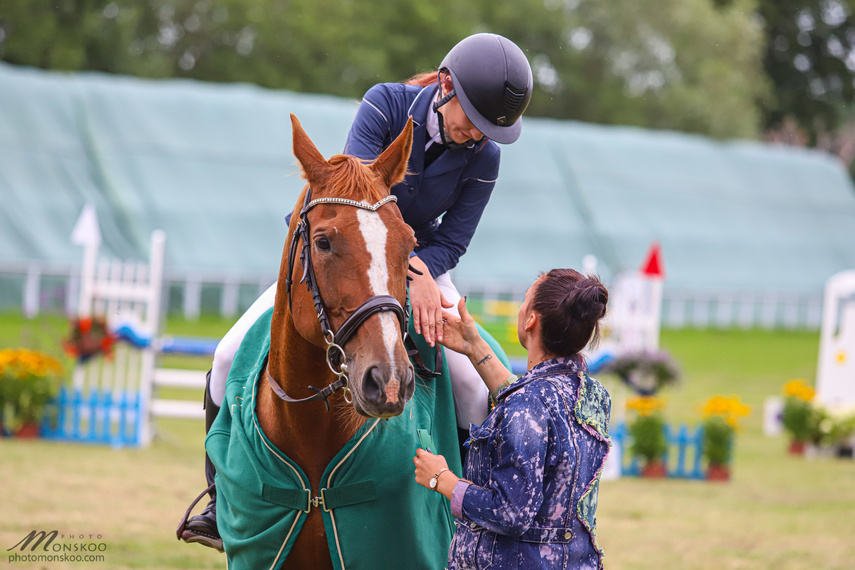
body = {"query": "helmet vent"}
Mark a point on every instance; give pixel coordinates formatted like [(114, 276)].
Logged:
[(513, 98)]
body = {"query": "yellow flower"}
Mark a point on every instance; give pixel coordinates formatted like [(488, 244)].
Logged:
[(799, 389), (645, 405), (728, 408), (20, 363)]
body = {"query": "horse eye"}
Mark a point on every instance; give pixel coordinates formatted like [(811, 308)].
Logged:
[(322, 244)]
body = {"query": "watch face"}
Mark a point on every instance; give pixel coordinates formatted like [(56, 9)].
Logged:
[(433, 483)]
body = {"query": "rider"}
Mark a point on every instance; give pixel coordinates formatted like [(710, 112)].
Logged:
[(459, 112)]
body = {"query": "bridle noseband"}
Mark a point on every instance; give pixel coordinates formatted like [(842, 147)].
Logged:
[(334, 340)]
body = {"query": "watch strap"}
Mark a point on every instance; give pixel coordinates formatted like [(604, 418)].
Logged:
[(434, 481)]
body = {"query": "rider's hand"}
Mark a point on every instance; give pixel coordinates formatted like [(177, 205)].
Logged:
[(427, 301), (460, 333)]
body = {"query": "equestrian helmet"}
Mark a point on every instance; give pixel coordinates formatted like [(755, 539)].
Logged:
[(493, 82)]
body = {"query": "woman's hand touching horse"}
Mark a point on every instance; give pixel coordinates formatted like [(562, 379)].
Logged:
[(460, 333)]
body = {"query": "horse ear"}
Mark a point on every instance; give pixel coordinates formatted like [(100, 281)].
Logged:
[(306, 152), (392, 164)]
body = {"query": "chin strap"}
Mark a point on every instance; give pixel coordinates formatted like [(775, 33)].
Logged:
[(319, 393), (419, 367), (445, 99), (449, 144)]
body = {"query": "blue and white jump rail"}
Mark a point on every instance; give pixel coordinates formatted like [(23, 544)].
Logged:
[(101, 412), (683, 453)]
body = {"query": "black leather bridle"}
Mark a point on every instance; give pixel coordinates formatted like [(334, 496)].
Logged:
[(335, 355)]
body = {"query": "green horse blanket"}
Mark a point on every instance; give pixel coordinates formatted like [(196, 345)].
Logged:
[(375, 514)]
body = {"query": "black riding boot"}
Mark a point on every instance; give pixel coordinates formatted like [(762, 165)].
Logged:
[(203, 527)]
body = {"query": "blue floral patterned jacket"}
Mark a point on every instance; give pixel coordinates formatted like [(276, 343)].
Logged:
[(535, 465)]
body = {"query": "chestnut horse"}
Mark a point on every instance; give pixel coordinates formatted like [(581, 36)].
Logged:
[(356, 254), (344, 331)]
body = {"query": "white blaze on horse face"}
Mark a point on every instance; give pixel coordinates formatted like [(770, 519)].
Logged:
[(374, 233)]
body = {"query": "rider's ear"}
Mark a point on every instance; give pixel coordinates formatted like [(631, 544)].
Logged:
[(306, 152), (447, 84), (391, 166)]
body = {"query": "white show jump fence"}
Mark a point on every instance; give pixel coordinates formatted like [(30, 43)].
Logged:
[(835, 373), (36, 287), (113, 400)]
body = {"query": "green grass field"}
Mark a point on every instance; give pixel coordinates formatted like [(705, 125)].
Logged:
[(777, 512)]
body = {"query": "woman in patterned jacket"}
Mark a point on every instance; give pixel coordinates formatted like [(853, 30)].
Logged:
[(528, 494)]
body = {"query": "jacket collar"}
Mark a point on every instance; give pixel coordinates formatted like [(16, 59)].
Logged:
[(555, 366), (421, 105)]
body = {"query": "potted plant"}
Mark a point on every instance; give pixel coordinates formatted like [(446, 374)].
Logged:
[(721, 415), (844, 429), (28, 381), (647, 430), (645, 372), (797, 416), (832, 430)]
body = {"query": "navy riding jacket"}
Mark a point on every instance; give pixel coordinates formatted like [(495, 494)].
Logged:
[(456, 186)]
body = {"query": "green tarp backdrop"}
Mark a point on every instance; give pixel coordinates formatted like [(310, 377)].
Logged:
[(211, 165)]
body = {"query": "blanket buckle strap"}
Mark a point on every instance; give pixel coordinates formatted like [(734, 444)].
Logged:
[(320, 501), (330, 498)]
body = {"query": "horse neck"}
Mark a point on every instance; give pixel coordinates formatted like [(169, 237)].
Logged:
[(306, 432)]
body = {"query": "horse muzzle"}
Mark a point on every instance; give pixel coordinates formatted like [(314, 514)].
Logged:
[(383, 390)]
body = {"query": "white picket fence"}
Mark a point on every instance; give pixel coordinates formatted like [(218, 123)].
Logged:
[(35, 287), (113, 400)]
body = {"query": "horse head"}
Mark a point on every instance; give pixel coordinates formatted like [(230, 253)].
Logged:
[(355, 249)]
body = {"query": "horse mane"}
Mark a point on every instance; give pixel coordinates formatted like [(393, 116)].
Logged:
[(350, 178)]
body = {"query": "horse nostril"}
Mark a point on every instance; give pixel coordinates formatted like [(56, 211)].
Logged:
[(409, 383), (373, 384)]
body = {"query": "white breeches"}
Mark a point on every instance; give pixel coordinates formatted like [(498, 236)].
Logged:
[(470, 392), (226, 349)]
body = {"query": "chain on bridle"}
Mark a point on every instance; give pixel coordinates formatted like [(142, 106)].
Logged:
[(335, 355)]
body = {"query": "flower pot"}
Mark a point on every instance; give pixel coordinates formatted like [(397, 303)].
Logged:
[(654, 469), (642, 381), (845, 451), (796, 447), (815, 451), (29, 430), (718, 473)]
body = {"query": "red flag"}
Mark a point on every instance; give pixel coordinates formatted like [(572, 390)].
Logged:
[(653, 266)]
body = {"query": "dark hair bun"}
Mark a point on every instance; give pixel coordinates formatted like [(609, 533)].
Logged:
[(571, 306), (593, 298), (587, 302)]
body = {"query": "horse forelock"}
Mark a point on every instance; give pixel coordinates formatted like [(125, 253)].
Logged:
[(351, 178)]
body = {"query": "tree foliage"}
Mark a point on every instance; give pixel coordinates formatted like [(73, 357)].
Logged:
[(692, 65), (677, 64), (810, 60)]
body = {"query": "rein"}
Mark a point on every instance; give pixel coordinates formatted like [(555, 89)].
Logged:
[(334, 340)]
